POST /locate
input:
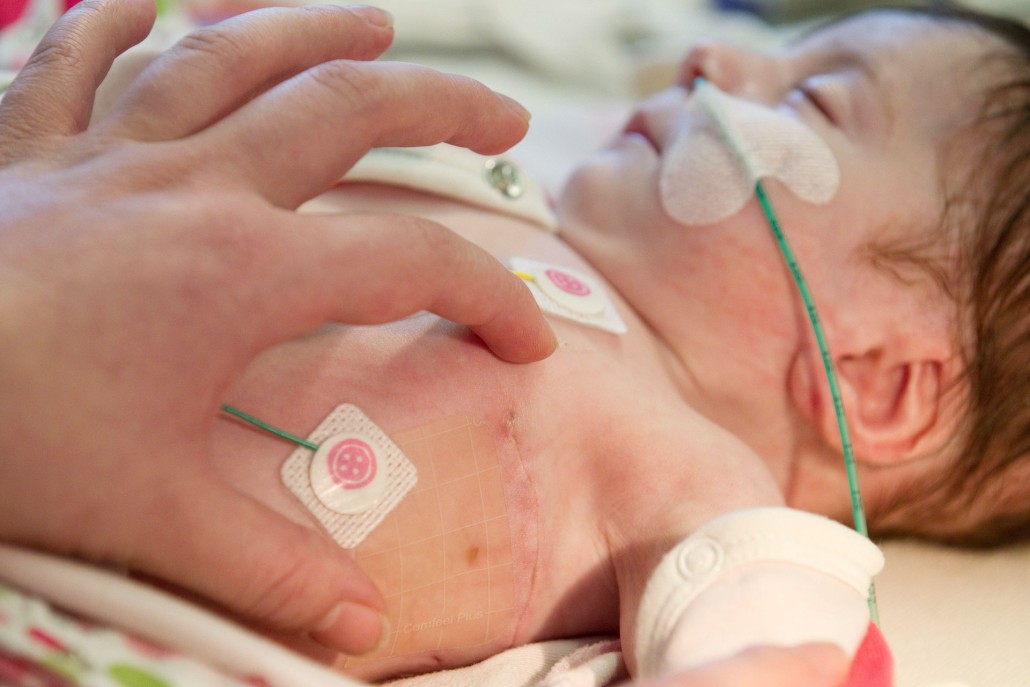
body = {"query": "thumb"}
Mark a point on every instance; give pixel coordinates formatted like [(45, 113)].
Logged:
[(259, 565)]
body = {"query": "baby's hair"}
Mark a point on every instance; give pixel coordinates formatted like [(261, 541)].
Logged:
[(983, 499)]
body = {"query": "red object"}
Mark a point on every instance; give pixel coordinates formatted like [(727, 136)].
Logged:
[(873, 665), (46, 639), (11, 10)]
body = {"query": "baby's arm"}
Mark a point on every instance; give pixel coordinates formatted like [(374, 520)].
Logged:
[(761, 577)]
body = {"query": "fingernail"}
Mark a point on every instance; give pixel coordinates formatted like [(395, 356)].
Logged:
[(515, 107), (354, 629), (373, 15)]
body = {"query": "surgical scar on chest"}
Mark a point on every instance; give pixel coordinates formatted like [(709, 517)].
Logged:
[(443, 558)]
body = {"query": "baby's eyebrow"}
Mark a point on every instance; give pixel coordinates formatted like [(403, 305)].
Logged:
[(835, 52), (873, 73), (842, 57), (835, 56), (863, 64)]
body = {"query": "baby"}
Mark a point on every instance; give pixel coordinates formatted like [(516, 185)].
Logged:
[(535, 502)]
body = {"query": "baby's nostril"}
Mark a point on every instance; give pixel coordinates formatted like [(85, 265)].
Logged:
[(689, 74)]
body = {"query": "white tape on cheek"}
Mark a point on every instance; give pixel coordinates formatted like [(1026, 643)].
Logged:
[(710, 171), (354, 480), (702, 180)]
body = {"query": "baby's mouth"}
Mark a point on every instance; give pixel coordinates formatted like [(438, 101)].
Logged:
[(637, 126)]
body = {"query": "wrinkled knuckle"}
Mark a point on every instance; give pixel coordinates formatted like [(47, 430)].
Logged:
[(430, 243), (322, 13), (437, 240), (221, 44), (360, 87), (64, 54), (66, 47), (468, 90), (469, 87), (442, 248)]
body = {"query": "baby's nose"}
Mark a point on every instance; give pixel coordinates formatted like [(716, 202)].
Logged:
[(738, 71)]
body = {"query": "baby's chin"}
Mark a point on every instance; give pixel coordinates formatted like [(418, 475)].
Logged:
[(593, 207)]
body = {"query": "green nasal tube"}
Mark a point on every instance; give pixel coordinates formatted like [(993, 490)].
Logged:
[(858, 512)]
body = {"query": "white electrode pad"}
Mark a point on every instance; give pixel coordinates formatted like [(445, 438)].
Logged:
[(710, 171), (354, 479), (570, 294)]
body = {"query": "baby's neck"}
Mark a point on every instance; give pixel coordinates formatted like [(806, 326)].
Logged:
[(761, 425)]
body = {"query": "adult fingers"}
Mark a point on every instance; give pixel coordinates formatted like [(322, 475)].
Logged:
[(808, 665), (53, 94), (217, 69), (370, 269), (255, 563), (297, 139)]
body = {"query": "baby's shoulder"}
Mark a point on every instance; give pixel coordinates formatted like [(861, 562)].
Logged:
[(655, 462)]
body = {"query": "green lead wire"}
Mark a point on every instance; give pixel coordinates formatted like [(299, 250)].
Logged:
[(269, 428), (857, 511), (845, 437)]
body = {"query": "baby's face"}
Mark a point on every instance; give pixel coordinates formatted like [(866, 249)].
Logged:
[(876, 100)]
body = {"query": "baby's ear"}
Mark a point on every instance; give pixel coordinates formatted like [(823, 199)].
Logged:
[(896, 408), (893, 408)]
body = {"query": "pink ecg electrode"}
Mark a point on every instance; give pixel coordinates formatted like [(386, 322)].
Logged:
[(567, 283), (351, 463)]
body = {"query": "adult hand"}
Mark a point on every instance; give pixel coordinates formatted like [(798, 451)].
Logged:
[(808, 665), (145, 261)]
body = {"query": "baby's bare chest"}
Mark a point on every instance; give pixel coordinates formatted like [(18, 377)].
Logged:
[(501, 519)]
